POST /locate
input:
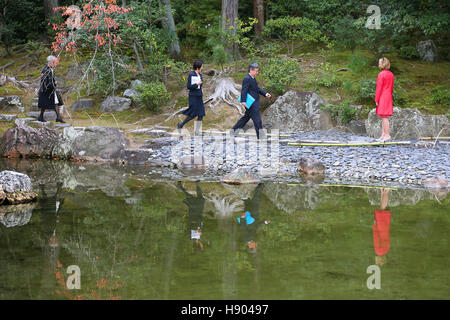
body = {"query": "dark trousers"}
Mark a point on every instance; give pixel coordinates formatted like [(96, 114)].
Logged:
[(252, 113)]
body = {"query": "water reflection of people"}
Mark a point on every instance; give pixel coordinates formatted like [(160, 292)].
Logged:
[(195, 213), (248, 220), (49, 218), (381, 225)]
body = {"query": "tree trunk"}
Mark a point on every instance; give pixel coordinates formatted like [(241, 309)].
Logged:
[(229, 20), (48, 8), (169, 24), (258, 13), (138, 60), (5, 36)]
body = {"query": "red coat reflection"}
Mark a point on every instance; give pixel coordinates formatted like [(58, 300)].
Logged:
[(381, 236)]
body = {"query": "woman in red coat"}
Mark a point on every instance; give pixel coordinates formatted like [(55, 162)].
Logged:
[(383, 96)]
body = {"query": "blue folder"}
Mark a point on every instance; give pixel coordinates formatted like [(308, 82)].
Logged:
[(249, 100)]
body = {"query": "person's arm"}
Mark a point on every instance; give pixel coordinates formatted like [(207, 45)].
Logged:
[(392, 89), (191, 86), (380, 82), (244, 91), (262, 92)]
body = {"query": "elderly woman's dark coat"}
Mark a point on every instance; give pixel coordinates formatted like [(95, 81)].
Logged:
[(47, 90)]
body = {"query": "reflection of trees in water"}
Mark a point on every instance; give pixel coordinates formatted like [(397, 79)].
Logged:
[(225, 206), (110, 237), (110, 178), (291, 198)]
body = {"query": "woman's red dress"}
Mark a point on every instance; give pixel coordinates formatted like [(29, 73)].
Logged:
[(385, 88)]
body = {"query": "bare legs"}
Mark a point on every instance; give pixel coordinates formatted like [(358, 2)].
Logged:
[(385, 134)]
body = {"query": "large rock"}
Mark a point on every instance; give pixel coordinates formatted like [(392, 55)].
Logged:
[(11, 181), (23, 141), (91, 143), (158, 143), (115, 104), (131, 94), (399, 197), (356, 127), (293, 198), (17, 215), (15, 188), (311, 166), (135, 84), (34, 105), (436, 183), (191, 162), (142, 157), (82, 104), (298, 111), (240, 176), (11, 104), (408, 124), (427, 50), (149, 132)]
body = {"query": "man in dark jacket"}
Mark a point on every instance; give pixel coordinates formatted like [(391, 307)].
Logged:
[(250, 86)]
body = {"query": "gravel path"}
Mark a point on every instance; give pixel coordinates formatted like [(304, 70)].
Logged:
[(396, 165)]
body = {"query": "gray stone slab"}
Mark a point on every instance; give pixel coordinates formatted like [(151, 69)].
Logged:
[(7, 117), (48, 115)]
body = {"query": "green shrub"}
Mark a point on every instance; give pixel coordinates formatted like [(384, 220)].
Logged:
[(153, 95), (293, 29), (358, 63), (344, 111), (408, 52), (367, 89), (440, 96), (219, 55), (325, 77), (280, 74)]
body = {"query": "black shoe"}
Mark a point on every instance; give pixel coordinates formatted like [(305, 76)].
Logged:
[(41, 119), (180, 125), (60, 120)]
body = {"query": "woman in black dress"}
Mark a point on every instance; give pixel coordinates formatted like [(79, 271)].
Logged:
[(49, 98), (196, 107)]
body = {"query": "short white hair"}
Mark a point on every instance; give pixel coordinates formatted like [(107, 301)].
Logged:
[(50, 59)]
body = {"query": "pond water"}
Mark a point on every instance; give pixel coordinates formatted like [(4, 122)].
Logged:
[(135, 235)]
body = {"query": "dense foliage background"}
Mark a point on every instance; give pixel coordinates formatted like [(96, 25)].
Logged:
[(160, 38)]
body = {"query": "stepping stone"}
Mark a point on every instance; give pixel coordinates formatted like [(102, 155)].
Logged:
[(163, 128), (41, 124), (27, 119), (7, 117), (48, 115), (61, 125)]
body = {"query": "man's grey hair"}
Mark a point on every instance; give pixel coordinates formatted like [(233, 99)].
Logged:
[(252, 66), (50, 59)]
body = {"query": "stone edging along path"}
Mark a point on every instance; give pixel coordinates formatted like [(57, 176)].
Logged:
[(215, 155)]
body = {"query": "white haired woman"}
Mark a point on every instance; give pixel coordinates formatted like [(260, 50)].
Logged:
[(49, 98)]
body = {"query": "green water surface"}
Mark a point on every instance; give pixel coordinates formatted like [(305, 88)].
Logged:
[(136, 243)]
